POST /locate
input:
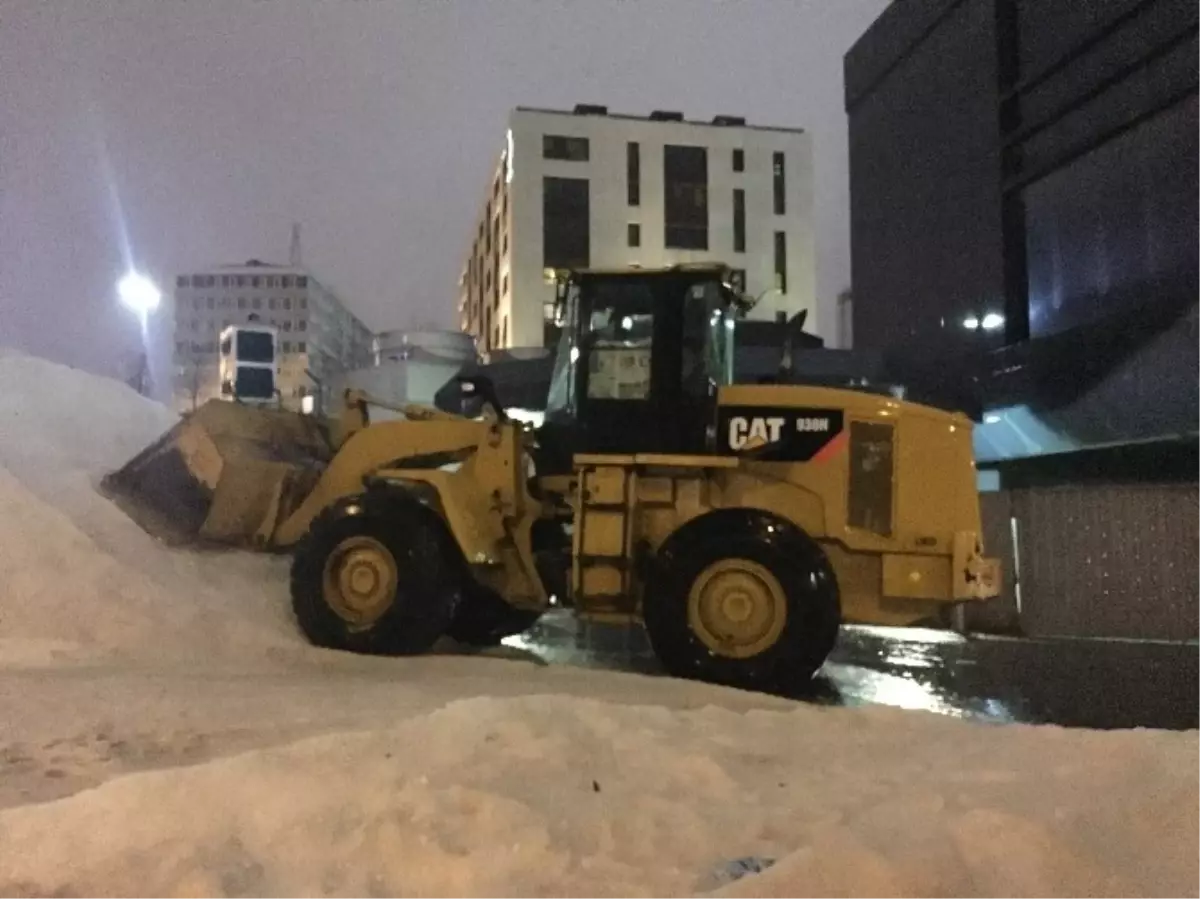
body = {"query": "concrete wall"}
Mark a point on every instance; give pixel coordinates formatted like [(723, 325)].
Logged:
[(1095, 561)]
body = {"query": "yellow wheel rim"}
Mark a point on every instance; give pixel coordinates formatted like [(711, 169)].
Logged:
[(737, 608), (359, 581)]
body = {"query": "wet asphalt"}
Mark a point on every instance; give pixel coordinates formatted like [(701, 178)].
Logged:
[(1068, 682)]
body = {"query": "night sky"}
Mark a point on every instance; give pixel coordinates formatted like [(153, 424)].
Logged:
[(195, 132)]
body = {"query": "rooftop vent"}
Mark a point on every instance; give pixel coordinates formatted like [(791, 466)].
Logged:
[(590, 109), (729, 120), (666, 115)]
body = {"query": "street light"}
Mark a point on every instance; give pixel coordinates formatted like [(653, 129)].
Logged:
[(138, 294), (993, 321)]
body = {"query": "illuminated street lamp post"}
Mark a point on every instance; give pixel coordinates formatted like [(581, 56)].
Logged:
[(139, 294)]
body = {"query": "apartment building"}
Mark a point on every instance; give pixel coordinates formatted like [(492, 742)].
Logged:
[(591, 188), (319, 337)]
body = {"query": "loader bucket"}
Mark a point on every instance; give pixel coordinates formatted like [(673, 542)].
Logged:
[(226, 474)]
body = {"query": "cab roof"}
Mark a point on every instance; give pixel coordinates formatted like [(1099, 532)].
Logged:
[(715, 268)]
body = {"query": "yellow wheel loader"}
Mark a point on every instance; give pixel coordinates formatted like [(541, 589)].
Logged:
[(740, 524)]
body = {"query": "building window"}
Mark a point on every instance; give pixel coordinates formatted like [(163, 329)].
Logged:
[(634, 235), (287, 324), (739, 220), (685, 200), (739, 160), (181, 281), (287, 346), (633, 173), (226, 281), (781, 261), (196, 302), (302, 324), (256, 303), (504, 286), (302, 280), (287, 302), (256, 281), (566, 234), (301, 347), (780, 184), (285, 281), (572, 149), (241, 302), (241, 280)]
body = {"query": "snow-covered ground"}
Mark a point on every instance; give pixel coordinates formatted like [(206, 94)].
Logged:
[(167, 732)]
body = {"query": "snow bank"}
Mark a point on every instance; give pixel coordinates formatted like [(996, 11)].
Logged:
[(555, 796), (77, 577)]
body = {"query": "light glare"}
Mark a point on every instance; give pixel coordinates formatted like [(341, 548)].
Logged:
[(138, 293)]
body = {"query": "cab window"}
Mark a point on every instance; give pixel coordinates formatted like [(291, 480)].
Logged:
[(618, 338)]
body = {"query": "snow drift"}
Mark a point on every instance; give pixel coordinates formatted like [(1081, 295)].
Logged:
[(78, 579), (542, 796)]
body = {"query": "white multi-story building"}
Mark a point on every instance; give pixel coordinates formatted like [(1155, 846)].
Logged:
[(318, 336), (591, 188)]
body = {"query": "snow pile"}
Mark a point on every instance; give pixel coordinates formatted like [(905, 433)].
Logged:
[(78, 577), (547, 795)]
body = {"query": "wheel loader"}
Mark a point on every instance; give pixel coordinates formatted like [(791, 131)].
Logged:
[(739, 524)]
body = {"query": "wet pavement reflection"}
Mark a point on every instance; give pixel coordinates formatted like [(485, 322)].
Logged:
[(1073, 683)]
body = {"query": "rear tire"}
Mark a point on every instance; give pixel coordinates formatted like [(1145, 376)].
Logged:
[(375, 575), (737, 603)]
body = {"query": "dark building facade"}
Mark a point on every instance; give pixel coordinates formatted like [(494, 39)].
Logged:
[(1023, 182)]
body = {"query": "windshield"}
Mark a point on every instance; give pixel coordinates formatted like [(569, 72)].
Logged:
[(255, 346), (619, 338)]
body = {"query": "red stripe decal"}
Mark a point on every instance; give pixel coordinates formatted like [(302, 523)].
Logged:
[(833, 446)]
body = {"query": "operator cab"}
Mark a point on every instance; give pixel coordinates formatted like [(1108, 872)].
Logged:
[(640, 359)]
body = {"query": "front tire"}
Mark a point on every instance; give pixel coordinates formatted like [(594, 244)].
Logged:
[(742, 599), (375, 575)]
